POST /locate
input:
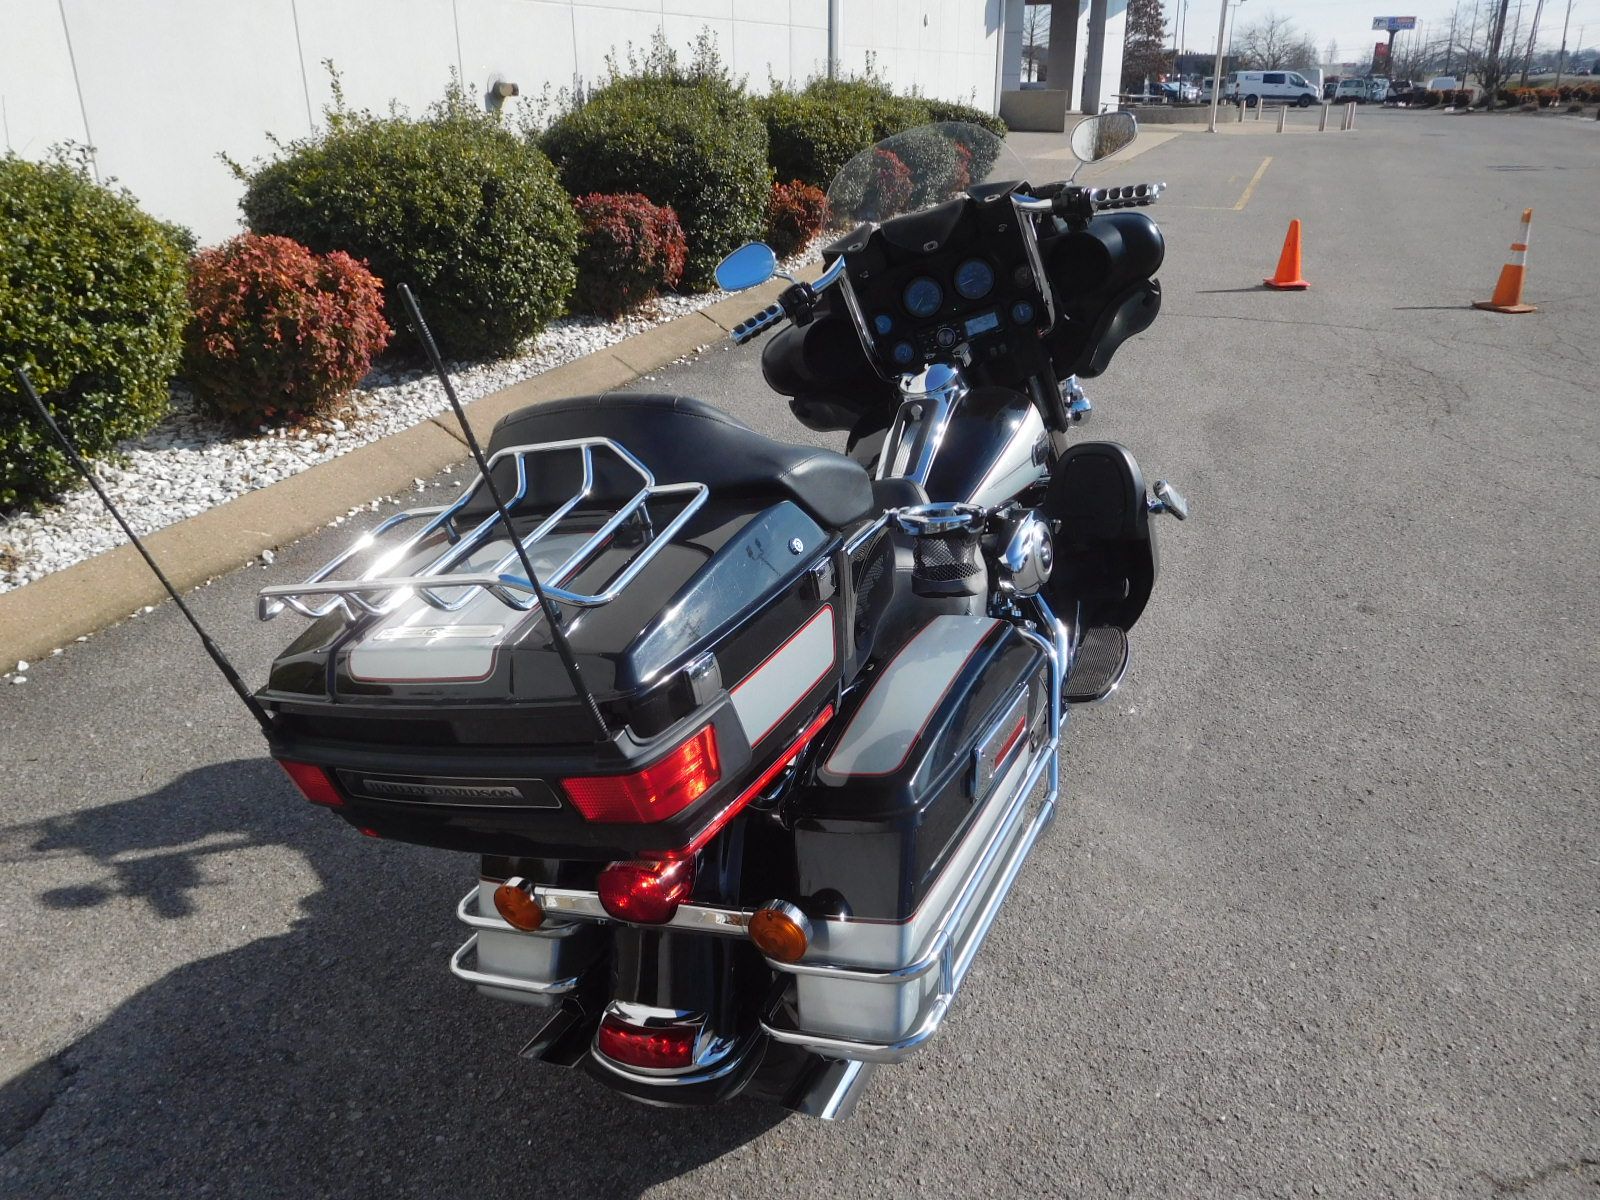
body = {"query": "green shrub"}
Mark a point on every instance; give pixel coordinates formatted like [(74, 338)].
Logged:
[(279, 333), (468, 214), (683, 135), (886, 113), (809, 137), (948, 110), (632, 250), (92, 302)]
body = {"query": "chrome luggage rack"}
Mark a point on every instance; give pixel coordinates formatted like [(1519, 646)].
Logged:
[(374, 592)]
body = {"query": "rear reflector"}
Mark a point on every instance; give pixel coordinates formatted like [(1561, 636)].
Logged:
[(646, 893), (662, 790), (656, 1048), (313, 783)]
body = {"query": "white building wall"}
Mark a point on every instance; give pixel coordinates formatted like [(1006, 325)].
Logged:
[(161, 87)]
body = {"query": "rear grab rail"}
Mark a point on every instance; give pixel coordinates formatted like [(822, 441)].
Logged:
[(376, 591)]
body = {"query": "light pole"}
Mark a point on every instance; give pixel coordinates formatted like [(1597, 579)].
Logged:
[(1216, 81), (1561, 62)]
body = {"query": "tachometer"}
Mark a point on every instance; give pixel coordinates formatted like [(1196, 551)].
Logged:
[(923, 296), (974, 279)]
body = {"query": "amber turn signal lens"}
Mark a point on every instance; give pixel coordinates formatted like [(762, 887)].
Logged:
[(780, 931), (514, 901)]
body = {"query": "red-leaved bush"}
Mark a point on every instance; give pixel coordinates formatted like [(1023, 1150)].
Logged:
[(796, 213), (629, 250), (279, 333)]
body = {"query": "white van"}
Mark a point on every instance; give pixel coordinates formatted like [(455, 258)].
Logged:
[(1282, 87)]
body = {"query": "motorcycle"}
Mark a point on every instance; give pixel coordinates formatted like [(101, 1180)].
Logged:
[(752, 739)]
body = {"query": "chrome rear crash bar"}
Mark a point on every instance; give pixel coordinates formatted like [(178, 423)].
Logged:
[(376, 592)]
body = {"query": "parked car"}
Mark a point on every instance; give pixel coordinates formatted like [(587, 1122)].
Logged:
[(1330, 86), (1180, 92), (1284, 87), (1377, 89), (1352, 89), (1444, 83)]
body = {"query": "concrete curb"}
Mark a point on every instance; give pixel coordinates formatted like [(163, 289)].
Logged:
[(100, 591)]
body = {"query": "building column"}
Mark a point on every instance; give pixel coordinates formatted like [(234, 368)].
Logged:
[(1063, 46), (1094, 56)]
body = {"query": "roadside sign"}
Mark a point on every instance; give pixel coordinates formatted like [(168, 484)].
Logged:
[(1394, 24)]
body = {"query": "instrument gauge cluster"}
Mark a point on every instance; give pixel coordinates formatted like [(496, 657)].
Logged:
[(922, 297)]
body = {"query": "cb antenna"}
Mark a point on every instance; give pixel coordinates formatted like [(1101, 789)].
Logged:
[(552, 615), (211, 648)]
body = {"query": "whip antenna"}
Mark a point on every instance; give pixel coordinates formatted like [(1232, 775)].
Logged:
[(211, 648), (552, 616)]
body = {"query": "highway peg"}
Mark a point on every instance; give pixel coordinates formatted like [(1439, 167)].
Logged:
[(1287, 277), (1507, 296)]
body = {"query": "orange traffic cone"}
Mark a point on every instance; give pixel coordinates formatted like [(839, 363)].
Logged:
[(1508, 291), (1287, 277)]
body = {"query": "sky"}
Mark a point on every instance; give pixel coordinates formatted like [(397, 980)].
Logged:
[(1349, 22)]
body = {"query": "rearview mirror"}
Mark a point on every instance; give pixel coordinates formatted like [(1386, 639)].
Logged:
[(1095, 138), (751, 264)]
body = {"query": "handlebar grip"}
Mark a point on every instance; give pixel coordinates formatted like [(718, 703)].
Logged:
[(752, 327), (1132, 195)]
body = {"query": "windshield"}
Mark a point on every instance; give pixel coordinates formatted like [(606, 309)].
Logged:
[(917, 169)]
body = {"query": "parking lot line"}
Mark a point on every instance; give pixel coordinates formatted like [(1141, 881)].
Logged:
[(1249, 188)]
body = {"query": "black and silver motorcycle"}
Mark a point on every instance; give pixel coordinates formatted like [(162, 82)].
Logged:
[(752, 738)]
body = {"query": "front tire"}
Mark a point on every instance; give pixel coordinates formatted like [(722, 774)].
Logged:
[(1250, 101), (1303, 102)]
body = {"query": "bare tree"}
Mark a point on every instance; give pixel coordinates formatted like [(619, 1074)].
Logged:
[(1330, 56), (1035, 38), (1273, 41)]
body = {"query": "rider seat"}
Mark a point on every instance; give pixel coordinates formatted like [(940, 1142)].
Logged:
[(684, 440)]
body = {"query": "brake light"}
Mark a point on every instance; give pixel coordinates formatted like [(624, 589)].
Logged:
[(646, 893), (314, 783), (656, 1047), (662, 790)]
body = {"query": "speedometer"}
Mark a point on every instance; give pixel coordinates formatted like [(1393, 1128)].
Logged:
[(923, 296), (974, 279)]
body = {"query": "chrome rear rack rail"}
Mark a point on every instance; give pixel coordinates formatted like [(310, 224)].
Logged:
[(444, 584)]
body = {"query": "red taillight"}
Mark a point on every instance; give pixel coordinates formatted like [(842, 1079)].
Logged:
[(647, 893), (655, 1048), (314, 783), (661, 790)]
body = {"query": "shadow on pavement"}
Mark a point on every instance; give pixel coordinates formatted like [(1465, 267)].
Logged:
[(339, 1058)]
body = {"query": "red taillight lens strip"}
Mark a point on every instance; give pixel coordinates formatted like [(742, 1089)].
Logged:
[(655, 1048), (660, 791), (818, 724), (314, 782)]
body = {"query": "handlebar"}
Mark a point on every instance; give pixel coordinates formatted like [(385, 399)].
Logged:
[(1083, 203)]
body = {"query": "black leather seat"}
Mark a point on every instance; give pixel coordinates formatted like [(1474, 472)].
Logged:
[(683, 440)]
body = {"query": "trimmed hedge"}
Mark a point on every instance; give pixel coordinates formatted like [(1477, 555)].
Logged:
[(279, 333), (795, 214), (92, 301), (632, 250), (885, 113), (686, 137), (468, 214), (809, 137)]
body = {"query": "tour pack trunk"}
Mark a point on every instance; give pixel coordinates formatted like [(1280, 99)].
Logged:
[(453, 724)]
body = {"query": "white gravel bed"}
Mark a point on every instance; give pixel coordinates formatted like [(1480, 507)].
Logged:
[(188, 463)]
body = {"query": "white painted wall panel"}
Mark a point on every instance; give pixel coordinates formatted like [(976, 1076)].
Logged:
[(160, 112), (40, 102), (168, 84), (405, 54)]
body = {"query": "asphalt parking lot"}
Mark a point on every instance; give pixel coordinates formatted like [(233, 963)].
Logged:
[(1321, 914)]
